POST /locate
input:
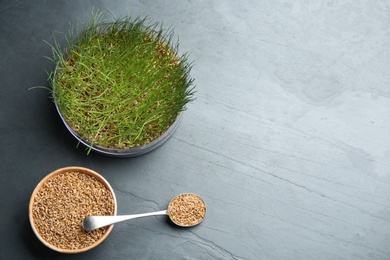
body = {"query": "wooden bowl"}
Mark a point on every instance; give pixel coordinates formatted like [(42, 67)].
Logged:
[(37, 206)]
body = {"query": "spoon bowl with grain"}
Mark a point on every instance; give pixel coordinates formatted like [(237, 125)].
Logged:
[(184, 210)]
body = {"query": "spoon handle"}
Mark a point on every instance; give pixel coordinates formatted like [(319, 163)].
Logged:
[(94, 222)]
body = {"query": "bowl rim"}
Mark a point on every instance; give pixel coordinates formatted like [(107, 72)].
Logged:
[(65, 170)]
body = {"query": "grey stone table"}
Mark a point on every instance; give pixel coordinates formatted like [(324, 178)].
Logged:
[(288, 141)]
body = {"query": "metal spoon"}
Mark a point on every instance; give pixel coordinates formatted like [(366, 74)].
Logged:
[(176, 212)]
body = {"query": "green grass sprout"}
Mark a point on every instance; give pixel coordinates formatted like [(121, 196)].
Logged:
[(121, 84)]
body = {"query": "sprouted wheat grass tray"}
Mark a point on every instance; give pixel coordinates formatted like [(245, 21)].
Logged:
[(121, 85)]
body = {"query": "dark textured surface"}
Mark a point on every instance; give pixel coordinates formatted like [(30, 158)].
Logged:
[(287, 142)]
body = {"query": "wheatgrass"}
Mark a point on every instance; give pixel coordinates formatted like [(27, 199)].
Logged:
[(122, 84)]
